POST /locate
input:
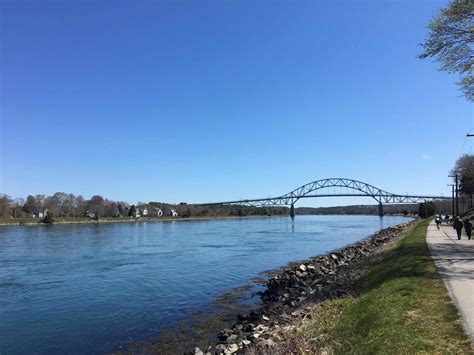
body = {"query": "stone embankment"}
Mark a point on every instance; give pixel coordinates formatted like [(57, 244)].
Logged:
[(289, 293)]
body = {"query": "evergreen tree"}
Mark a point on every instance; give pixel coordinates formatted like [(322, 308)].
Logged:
[(30, 206), (426, 209)]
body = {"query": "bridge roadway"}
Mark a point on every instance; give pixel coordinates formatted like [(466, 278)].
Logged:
[(360, 189)]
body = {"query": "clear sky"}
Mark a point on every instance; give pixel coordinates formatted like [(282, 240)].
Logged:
[(215, 100)]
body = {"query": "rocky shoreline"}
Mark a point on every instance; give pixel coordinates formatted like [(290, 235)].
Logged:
[(288, 293)]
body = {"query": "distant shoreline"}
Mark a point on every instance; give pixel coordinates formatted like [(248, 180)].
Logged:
[(109, 220), (129, 220)]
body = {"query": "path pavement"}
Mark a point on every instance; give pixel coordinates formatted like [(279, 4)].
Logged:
[(455, 262)]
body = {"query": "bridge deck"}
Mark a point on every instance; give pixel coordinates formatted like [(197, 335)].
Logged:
[(361, 189), (401, 197)]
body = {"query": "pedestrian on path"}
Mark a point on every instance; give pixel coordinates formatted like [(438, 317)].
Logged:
[(458, 226), (455, 262), (468, 228)]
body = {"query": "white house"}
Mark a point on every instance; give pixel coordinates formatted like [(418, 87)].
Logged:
[(38, 214), (156, 212), (171, 213), (90, 214)]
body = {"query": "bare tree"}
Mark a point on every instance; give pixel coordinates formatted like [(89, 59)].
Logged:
[(40, 201), (79, 206), (5, 206), (450, 41), (464, 168), (96, 205), (110, 208), (67, 206), (51, 203)]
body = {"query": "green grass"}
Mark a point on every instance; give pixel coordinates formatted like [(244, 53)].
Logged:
[(19, 220), (402, 307), (65, 220)]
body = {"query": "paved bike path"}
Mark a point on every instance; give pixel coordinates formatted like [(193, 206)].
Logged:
[(455, 262)]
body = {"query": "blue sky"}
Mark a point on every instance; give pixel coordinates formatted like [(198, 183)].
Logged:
[(214, 100)]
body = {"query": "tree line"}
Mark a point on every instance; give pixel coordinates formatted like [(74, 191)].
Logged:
[(406, 209), (62, 204), (464, 169), (463, 174)]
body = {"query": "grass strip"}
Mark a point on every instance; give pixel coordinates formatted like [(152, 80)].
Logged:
[(402, 306)]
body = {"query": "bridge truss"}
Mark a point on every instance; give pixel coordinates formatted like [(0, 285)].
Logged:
[(341, 187)]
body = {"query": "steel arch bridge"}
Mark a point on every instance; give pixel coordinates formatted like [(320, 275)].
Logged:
[(312, 189)]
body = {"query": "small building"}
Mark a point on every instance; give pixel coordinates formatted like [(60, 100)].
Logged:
[(38, 214), (90, 214), (156, 212), (145, 212), (171, 213)]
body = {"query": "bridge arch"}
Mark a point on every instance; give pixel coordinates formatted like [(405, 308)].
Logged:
[(362, 187), (307, 190)]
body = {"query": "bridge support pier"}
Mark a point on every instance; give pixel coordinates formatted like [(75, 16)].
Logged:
[(380, 209), (292, 211)]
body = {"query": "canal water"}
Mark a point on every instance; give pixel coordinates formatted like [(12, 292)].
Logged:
[(92, 288)]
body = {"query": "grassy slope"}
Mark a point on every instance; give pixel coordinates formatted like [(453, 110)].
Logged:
[(402, 306)]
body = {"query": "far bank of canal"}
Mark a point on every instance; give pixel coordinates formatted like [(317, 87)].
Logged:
[(92, 288)]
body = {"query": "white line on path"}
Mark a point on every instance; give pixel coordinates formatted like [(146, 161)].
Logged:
[(455, 262)]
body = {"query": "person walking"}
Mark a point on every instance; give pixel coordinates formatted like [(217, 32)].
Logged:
[(468, 228), (458, 225), (446, 219)]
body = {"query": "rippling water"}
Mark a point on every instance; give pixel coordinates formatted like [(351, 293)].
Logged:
[(90, 288)]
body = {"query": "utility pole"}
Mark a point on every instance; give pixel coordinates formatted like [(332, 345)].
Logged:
[(457, 193), (470, 195), (452, 197)]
